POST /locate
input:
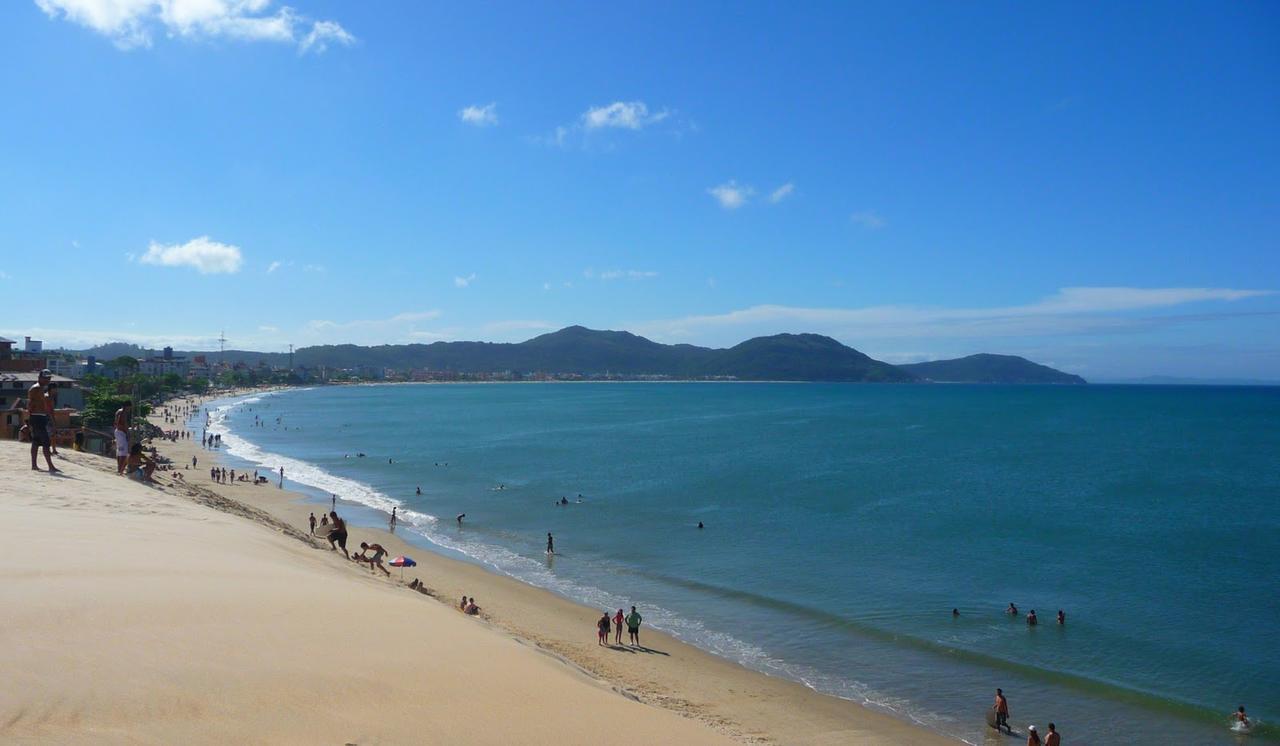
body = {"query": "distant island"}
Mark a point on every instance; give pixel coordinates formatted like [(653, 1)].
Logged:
[(987, 368), (576, 351)]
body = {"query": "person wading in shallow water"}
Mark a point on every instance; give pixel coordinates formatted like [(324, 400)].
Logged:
[(1001, 707)]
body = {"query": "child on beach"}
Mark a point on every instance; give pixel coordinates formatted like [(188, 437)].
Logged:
[(602, 630), (376, 559), (617, 627), (138, 465)]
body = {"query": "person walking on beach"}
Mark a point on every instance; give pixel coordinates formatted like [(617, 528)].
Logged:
[(121, 432), (281, 486), (391, 524), (38, 422), (617, 627), (602, 630), (338, 534), (1001, 707), (633, 626), (1052, 738), (313, 524), (551, 544)]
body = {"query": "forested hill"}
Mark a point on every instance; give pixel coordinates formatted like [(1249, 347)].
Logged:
[(986, 368), (578, 350)]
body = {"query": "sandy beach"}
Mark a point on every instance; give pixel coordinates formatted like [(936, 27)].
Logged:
[(205, 612)]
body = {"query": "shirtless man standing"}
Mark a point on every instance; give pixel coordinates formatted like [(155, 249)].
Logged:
[(121, 431), (38, 420), (1001, 707)]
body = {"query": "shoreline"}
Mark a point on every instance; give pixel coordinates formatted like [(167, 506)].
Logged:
[(749, 706)]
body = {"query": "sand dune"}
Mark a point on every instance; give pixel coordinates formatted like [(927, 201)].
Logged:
[(133, 614)]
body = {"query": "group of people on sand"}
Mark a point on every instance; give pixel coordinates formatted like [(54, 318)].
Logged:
[(632, 621), (334, 529), (468, 605)]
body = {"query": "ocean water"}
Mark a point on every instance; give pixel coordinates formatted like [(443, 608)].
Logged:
[(844, 522)]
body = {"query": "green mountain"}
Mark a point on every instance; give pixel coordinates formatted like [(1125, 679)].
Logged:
[(590, 352), (986, 368)]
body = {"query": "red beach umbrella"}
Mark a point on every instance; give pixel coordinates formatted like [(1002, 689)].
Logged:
[(402, 562)]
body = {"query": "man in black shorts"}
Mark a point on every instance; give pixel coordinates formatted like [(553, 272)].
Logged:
[(338, 534), (38, 419)]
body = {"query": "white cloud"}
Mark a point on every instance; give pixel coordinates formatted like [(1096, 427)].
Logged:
[(206, 255), (272, 267), (132, 24), (462, 282), (322, 34), (619, 274), (480, 116), (782, 192), (269, 329), (731, 195), (415, 316), (632, 115), (397, 326), (1069, 311), (315, 268), (545, 285), (4, 275), (868, 219)]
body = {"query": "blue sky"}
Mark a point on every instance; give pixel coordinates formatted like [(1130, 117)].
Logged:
[(1094, 186)]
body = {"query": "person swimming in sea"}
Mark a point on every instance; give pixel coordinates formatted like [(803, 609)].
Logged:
[(1240, 718), (955, 613), (1062, 617), (700, 525), (1031, 619), (419, 490), (1012, 610)]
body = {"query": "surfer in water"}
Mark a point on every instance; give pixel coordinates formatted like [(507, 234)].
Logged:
[(1001, 707), (551, 544)]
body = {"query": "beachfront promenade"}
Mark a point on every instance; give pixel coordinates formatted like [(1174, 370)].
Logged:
[(203, 612)]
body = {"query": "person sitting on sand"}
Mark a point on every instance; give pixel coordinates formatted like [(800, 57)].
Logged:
[(138, 465), (462, 605), (376, 559), (1012, 610), (602, 629), (338, 535), (1031, 619), (472, 609), (617, 627)]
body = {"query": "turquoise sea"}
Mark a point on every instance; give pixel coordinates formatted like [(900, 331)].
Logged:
[(844, 522)]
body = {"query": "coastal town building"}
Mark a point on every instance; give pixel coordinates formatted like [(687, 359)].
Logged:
[(13, 399), (165, 365)]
